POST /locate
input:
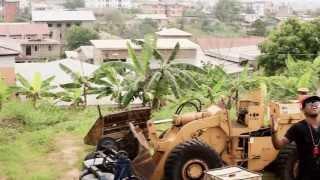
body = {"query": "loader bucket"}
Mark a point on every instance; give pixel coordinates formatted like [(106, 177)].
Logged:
[(144, 164)]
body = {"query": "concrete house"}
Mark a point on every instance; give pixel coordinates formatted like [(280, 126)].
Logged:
[(24, 31), (118, 4), (59, 21), (113, 50), (173, 33), (32, 39), (7, 63)]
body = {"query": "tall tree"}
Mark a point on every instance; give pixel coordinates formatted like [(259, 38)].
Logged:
[(259, 28), (227, 10), (78, 36), (298, 38)]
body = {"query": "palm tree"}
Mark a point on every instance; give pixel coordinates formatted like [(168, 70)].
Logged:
[(36, 89), (154, 83), (79, 81)]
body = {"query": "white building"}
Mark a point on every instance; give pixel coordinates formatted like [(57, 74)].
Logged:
[(258, 7), (127, 4)]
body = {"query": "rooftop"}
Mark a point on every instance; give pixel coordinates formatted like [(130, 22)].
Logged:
[(235, 54), (152, 16), (71, 54), (173, 32), (4, 51), (10, 44), (88, 51), (62, 15), (9, 29), (221, 42), (48, 69), (117, 44)]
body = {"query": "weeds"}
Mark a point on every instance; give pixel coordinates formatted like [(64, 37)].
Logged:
[(27, 136)]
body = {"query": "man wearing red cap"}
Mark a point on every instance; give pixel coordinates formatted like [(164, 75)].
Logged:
[(306, 135)]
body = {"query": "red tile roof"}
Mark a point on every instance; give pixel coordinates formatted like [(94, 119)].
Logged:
[(23, 29), (221, 42)]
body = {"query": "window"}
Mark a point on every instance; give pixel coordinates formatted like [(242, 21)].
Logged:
[(35, 48), (28, 50), (78, 24), (68, 25), (51, 34), (60, 35), (50, 48), (58, 25), (49, 25)]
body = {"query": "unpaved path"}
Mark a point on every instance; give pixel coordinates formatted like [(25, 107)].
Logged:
[(66, 156)]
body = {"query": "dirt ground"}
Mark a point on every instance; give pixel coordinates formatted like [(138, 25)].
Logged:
[(66, 156)]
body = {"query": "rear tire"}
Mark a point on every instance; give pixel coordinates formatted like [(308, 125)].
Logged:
[(287, 163), (189, 160)]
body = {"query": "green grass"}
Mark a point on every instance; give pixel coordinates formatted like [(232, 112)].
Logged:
[(27, 135)]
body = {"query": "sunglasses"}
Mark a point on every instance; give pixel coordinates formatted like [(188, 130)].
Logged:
[(316, 103)]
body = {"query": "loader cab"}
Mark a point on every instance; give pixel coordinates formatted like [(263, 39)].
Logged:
[(251, 110)]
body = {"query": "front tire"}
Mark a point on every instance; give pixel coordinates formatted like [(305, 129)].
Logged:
[(189, 160), (287, 163)]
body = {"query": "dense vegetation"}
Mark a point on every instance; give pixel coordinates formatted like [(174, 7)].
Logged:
[(298, 38)]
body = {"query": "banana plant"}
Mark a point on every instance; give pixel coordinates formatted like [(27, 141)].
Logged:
[(79, 81), (109, 83), (36, 89), (72, 96), (153, 84)]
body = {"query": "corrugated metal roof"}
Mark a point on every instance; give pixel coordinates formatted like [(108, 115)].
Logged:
[(173, 32), (152, 16), (49, 69), (235, 54), (5, 51), (61, 15), (9, 29), (221, 42), (88, 51), (116, 44), (10, 44)]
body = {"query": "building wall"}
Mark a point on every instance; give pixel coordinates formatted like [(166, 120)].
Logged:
[(175, 37), (58, 29), (171, 10), (10, 11), (29, 36), (109, 4), (7, 70), (42, 51), (107, 55)]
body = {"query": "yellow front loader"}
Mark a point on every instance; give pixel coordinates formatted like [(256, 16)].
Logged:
[(199, 141)]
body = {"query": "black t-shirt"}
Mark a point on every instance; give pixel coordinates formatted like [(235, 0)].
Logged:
[(309, 166)]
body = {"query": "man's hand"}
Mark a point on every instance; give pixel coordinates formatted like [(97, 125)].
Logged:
[(278, 143), (274, 124)]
